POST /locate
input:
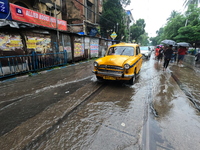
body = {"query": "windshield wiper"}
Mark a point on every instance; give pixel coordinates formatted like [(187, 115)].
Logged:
[(122, 51)]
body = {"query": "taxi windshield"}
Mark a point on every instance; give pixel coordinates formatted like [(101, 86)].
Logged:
[(121, 50)]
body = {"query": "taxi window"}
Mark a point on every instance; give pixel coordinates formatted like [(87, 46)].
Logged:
[(121, 50), (137, 50)]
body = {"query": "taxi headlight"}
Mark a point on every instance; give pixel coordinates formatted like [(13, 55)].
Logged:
[(95, 64), (126, 66)]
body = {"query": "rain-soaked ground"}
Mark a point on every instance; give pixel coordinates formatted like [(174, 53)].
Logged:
[(68, 109)]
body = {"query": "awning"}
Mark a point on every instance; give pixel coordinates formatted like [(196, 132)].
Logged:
[(13, 24)]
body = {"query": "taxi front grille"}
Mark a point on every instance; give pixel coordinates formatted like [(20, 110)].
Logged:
[(110, 71), (110, 67)]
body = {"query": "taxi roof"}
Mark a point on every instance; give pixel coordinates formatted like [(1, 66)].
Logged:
[(125, 44)]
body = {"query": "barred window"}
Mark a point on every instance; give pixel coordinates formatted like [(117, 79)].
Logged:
[(89, 10)]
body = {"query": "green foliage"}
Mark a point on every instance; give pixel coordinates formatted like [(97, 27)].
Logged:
[(193, 15), (181, 27), (136, 30), (173, 15), (171, 30), (154, 40), (125, 2), (143, 39), (189, 33), (113, 18), (189, 2)]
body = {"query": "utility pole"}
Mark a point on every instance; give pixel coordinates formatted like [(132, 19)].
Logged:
[(57, 27)]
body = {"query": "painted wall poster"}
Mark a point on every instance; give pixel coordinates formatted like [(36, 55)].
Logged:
[(77, 49), (94, 47), (10, 42), (39, 44)]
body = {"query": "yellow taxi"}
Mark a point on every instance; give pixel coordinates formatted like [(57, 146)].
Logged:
[(122, 61)]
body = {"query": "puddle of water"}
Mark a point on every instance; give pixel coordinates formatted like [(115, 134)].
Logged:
[(112, 120)]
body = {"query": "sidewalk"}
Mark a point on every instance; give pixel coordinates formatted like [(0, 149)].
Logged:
[(188, 79)]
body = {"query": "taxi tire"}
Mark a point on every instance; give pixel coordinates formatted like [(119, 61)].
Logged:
[(99, 78), (132, 80)]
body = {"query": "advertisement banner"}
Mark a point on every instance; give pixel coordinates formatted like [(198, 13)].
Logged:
[(77, 49), (19, 13), (39, 44), (10, 42)]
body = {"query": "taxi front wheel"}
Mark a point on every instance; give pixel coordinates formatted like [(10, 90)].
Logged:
[(132, 80), (99, 78)]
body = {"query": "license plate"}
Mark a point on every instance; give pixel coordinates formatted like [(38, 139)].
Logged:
[(109, 78)]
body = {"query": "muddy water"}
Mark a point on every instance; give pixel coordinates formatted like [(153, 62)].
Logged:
[(26, 97), (189, 79), (112, 120), (154, 113), (176, 124)]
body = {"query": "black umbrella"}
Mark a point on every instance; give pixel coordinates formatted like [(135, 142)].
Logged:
[(169, 42), (184, 44)]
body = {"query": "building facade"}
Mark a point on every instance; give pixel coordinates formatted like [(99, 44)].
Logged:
[(83, 16)]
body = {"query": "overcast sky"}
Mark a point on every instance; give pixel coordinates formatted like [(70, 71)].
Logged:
[(154, 12)]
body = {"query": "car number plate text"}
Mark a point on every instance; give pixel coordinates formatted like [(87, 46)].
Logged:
[(109, 78)]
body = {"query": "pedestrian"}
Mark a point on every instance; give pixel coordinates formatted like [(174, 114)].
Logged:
[(160, 55), (181, 54), (175, 53), (157, 52), (167, 56)]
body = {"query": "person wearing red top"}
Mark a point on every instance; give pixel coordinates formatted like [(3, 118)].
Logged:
[(181, 53), (157, 52)]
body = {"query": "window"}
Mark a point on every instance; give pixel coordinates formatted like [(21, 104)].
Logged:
[(100, 2), (137, 50), (89, 10), (121, 50)]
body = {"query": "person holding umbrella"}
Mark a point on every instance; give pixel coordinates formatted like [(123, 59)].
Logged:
[(181, 54), (167, 56)]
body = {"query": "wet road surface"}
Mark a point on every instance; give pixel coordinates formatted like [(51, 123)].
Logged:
[(68, 109)]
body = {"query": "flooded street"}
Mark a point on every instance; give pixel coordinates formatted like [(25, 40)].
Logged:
[(69, 109)]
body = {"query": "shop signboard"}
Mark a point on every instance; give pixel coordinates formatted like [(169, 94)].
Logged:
[(4, 10), (22, 14)]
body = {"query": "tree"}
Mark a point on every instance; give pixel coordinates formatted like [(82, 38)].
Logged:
[(143, 39), (181, 28), (112, 18), (189, 2), (191, 31), (136, 30), (192, 15), (190, 34), (171, 29), (125, 3), (154, 40), (173, 15)]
